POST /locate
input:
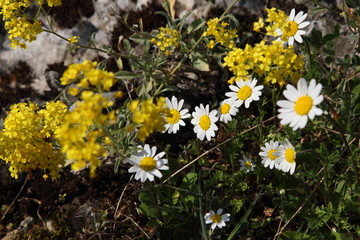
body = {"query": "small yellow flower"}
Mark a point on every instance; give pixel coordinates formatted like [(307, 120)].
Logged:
[(119, 94), (73, 40), (258, 25), (73, 91)]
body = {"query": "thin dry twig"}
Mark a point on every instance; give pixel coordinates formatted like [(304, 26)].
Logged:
[(297, 211), (137, 225), (116, 214), (213, 148), (17, 196)]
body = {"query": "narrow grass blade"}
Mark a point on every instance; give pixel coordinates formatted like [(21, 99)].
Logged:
[(244, 218)]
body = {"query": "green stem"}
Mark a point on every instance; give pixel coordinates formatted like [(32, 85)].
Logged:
[(156, 199), (321, 5), (228, 9), (353, 163), (201, 210), (79, 45)]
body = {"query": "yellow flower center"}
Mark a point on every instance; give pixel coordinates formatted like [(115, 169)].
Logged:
[(175, 116), (244, 93), (303, 105), (248, 164), (290, 155), (147, 164), (204, 122), (216, 218), (291, 28), (270, 154), (225, 108)]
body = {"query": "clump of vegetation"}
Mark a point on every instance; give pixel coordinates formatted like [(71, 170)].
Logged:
[(274, 153)]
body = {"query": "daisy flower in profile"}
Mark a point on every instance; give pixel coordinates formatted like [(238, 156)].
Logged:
[(147, 164), (301, 103), (292, 29), (226, 110), (246, 164), (286, 157), (267, 154), (244, 91), (204, 122), (175, 121), (216, 219)]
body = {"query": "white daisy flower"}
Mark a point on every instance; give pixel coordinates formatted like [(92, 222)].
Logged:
[(267, 154), (146, 163), (204, 122), (175, 121), (216, 219), (301, 105), (294, 26), (244, 92), (286, 157), (246, 164), (226, 110)]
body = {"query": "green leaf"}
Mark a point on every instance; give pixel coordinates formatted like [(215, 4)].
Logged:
[(175, 197), (138, 38), (341, 187), (316, 35), (356, 92), (190, 179), (319, 9), (233, 18), (125, 75), (168, 18), (181, 24), (148, 204), (127, 45), (295, 236), (355, 60), (328, 37), (195, 25)]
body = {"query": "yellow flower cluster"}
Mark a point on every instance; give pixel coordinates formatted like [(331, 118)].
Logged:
[(274, 62), (86, 75), (26, 142), (277, 19), (80, 133), (167, 39), (20, 29), (222, 35), (148, 116), (50, 3)]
